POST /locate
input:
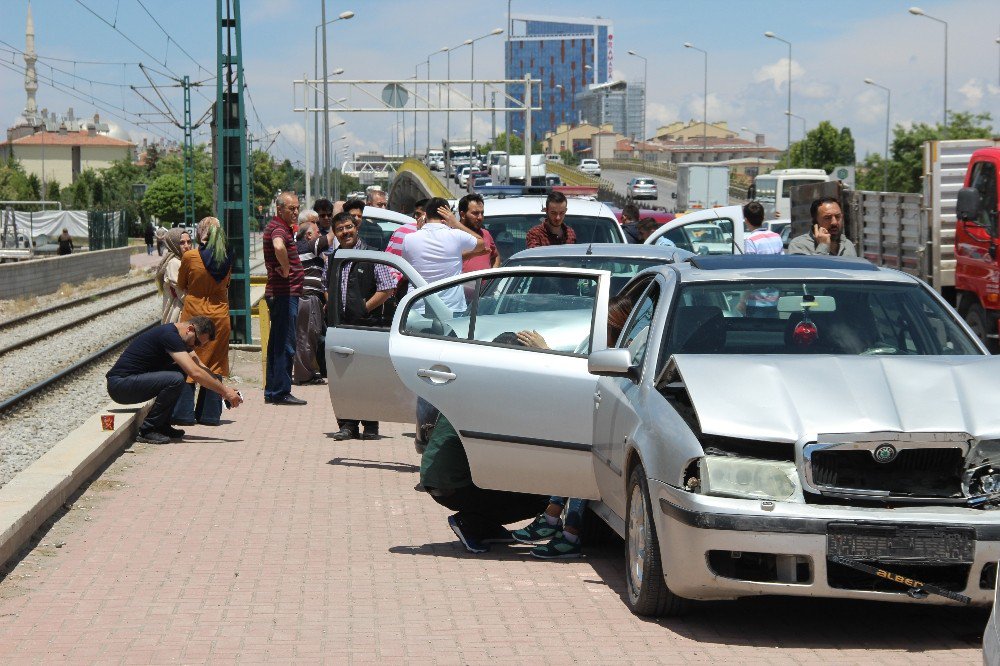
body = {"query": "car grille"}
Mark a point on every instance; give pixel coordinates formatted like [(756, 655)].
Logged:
[(918, 472)]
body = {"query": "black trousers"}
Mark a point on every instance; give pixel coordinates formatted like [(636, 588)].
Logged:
[(165, 386), (353, 424), (481, 509)]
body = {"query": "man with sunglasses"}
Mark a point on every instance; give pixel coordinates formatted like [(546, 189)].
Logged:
[(155, 365)]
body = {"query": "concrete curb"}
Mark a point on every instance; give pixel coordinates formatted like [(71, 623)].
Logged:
[(35, 494)]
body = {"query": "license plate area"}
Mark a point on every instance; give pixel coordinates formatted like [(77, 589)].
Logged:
[(930, 544)]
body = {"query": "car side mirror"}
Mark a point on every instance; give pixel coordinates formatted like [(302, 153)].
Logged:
[(967, 206), (611, 363)]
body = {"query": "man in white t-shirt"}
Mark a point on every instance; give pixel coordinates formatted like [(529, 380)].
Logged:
[(435, 250)]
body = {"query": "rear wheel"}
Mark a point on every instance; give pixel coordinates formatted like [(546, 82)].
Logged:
[(983, 324), (648, 593)]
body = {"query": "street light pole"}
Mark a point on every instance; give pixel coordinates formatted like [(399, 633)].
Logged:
[(645, 88), (326, 97), (888, 106), (788, 141), (472, 86), (704, 109), (917, 11), (805, 146)]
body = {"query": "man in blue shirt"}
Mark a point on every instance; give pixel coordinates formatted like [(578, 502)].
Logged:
[(156, 364)]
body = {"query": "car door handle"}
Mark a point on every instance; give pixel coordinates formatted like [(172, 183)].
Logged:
[(597, 396), (439, 375), (343, 351)]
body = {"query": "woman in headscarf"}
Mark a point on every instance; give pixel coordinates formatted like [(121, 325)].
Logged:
[(178, 242), (204, 276)]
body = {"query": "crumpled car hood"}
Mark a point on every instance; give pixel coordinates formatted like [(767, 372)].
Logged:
[(794, 398)]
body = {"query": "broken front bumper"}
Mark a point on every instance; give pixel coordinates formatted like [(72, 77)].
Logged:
[(721, 548)]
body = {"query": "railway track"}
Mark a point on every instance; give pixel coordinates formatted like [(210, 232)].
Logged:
[(62, 307)]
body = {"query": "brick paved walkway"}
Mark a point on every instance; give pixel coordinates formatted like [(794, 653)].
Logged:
[(265, 540)]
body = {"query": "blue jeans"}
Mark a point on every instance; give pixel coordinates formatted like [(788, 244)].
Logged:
[(165, 386), (207, 410), (284, 310), (574, 513)]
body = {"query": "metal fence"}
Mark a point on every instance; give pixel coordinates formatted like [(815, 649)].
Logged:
[(107, 229)]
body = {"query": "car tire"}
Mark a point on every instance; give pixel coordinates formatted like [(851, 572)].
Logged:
[(646, 587), (982, 324)]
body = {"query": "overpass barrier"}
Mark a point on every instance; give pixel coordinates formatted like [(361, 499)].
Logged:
[(414, 181)]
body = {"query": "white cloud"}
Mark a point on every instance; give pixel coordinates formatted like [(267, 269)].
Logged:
[(869, 106), (973, 91), (777, 73), (658, 114)]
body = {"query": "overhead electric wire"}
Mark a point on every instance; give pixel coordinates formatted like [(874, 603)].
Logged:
[(171, 39), (112, 111)]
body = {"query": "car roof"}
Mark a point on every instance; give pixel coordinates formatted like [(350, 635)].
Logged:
[(613, 250), (534, 204), (741, 267)]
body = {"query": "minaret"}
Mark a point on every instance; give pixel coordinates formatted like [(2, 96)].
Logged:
[(30, 78)]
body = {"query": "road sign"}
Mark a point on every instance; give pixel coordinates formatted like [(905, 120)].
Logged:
[(395, 95), (845, 174)]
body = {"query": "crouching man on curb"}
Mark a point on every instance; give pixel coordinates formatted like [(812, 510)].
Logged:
[(156, 365)]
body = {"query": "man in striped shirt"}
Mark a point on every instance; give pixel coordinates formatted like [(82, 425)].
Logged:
[(762, 302), (284, 286), (311, 245), (395, 245)]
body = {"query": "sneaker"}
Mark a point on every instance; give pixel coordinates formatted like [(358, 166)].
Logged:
[(344, 434), (171, 432), (497, 534), (558, 548), (538, 530), (471, 543), (152, 437)]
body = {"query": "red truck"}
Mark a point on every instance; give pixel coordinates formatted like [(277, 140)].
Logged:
[(977, 270)]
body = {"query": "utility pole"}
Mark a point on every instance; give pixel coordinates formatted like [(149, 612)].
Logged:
[(527, 131), (188, 157), (233, 204)]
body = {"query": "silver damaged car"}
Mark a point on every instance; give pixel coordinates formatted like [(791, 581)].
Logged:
[(775, 425)]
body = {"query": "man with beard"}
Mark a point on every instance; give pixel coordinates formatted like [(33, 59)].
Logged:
[(827, 236), (364, 289), (553, 229), (470, 213)]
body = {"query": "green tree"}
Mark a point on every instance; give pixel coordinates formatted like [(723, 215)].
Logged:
[(54, 191), (265, 181), (568, 158), (13, 181), (516, 145), (152, 157), (34, 186), (824, 147), (165, 199)]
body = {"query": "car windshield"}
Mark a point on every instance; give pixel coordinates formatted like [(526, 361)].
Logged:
[(510, 231), (701, 238), (789, 183), (622, 269), (828, 317)]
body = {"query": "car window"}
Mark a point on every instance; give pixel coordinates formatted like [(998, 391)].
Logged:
[(847, 318), (349, 312), (552, 312), (510, 231), (622, 269), (377, 232), (635, 336)]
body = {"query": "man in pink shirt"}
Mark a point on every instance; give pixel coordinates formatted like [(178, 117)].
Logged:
[(395, 245), (470, 213)]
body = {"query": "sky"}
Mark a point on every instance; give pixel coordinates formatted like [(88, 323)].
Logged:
[(835, 47)]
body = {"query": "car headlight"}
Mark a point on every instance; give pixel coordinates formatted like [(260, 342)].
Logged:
[(750, 478)]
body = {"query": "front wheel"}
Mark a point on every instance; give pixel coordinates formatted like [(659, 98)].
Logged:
[(648, 593), (983, 325)]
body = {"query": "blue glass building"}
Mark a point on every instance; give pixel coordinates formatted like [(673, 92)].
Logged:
[(566, 55)]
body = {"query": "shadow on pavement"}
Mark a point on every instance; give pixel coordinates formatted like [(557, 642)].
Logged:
[(375, 464), (797, 622)]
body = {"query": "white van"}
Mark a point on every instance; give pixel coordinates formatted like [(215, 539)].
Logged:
[(774, 189)]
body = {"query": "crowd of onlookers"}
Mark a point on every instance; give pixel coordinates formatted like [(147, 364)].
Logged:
[(191, 347)]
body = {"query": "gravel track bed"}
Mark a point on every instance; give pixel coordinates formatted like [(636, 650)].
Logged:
[(16, 308), (44, 420), (24, 367), (58, 318)]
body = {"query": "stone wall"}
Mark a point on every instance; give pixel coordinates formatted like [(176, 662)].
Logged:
[(43, 276)]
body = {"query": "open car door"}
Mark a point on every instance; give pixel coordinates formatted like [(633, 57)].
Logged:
[(522, 404), (363, 384)]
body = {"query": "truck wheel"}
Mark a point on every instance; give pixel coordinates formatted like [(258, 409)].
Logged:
[(982, 324), (648, 593)]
